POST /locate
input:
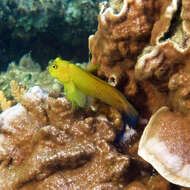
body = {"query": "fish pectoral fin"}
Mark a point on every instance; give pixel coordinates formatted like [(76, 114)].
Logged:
[(93, 68), (73, 94)]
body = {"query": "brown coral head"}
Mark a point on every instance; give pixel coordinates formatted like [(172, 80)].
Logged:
[(165, 144)]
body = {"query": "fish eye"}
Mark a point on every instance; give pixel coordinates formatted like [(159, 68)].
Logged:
[(54, 66)]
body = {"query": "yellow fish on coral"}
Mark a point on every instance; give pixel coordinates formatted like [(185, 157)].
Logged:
[(78, 83)]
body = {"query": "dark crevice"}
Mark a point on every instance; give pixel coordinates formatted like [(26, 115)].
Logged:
[(175, 22)]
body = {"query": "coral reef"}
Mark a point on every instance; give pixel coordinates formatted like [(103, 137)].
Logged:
[(143, 49)]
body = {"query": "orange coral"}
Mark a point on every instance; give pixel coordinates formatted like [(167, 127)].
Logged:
[(17, 90), (4, 103)]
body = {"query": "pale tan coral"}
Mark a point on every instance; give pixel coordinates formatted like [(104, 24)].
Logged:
[(168, 9), (116, 5), (165, 144), (148, 62), (185, 16), (4, 103), (159, 62)]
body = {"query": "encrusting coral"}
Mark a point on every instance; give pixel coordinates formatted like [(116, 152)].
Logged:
[(51, 146)]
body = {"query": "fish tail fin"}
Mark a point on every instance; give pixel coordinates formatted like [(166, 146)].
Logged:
[(130, 121)]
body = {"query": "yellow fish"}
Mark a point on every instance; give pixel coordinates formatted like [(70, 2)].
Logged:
[(79, 82)]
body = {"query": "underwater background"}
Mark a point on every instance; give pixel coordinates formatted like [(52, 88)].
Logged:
[(46, 28)]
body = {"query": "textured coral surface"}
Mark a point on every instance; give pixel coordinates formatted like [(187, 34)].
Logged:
[(44, 144), (165, 144)]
